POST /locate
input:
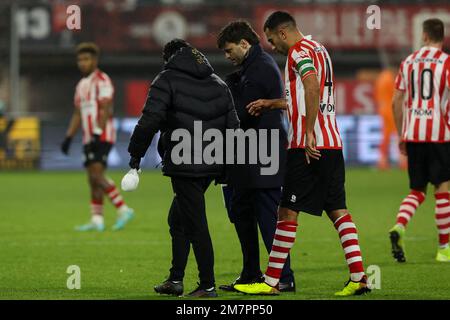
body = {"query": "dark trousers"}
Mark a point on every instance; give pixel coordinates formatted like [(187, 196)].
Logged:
[(248, 209), (188, 225)]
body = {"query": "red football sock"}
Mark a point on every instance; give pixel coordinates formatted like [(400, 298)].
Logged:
[(443, 217), (349, 240), (97, 207), (114, 196), (409, 206), (283, 241)]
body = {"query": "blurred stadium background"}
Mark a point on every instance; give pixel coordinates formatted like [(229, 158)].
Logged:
[(38, 71)]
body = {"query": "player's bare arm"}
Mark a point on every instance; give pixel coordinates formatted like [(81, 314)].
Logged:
[(312, 94), (397, 108), (105, 112), (256, 107), (74, 125)]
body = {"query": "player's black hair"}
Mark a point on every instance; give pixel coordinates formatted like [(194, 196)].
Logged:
[(173, 46), (236, 31), (278, 18), (88, 47), (434, 28)]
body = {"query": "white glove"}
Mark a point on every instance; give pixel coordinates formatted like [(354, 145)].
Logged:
[(131, 180)]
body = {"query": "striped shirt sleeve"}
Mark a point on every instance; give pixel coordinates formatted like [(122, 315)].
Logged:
[(448, 73), (399, 80), (105, 90), (303, 63)]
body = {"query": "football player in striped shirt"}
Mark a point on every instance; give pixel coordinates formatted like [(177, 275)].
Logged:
[(93, 112), (315, 174), (421, 111)]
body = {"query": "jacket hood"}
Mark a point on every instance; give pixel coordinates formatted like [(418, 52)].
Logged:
[(190, 61)]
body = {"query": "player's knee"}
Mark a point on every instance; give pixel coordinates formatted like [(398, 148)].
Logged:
[(441, 188), (95, 181), (285, 214), (336, 214), (282, 215), (91, 181)]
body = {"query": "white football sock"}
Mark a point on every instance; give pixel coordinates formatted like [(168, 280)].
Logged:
[(97, 219)]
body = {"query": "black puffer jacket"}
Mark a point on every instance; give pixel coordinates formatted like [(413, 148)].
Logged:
[(187, 90)]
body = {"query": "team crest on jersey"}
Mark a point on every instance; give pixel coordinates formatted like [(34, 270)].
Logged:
[(303, 54), (293, 198)]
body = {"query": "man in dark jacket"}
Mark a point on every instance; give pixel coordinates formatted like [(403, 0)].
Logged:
[(186, 91), (252, 198)]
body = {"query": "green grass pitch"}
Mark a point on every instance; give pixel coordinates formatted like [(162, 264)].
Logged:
[(38, 211)]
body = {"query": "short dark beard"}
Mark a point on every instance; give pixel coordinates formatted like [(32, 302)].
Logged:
[(245, 57), (86, 74)]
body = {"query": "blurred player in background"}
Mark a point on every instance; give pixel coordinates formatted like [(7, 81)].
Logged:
[(384, 91), (315, 174), (421, 111), (93, 111)]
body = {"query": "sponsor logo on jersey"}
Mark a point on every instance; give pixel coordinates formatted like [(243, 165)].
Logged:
[(318, 49), (421, 113), (328, 108)]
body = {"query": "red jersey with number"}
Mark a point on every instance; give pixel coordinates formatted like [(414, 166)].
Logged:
[(424, 76), (308, 57), (90, 92)]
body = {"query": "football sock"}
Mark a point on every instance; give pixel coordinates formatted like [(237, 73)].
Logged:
[(116, 198), (409, 206), (97, 219), (349, 240), (443, 217), (282, 243), (96, 207)]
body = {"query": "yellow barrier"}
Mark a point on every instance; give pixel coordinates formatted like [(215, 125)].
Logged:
[(20, 144)]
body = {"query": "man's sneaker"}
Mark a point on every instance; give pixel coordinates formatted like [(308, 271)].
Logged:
[(123, 219), (257, 288), (239, 280), (443, 255), (170, 287), (352, 288), (286, 287), (397, 235), (203, 293), (91, 227)]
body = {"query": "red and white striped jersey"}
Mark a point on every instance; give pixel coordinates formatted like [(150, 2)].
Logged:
[(90, 91), (308, 57), (425, 78)]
